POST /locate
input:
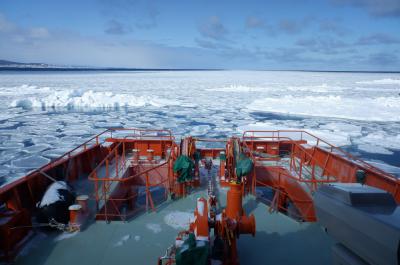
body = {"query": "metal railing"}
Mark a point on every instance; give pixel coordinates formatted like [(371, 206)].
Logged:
[(104, 180), (317, 142), (92, 142), (294, 156)]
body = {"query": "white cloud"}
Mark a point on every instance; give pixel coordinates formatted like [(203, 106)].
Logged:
[(68, 48), (213, 28), (39, 33), (5, 25)]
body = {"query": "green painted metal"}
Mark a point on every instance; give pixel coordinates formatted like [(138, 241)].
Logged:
[(184, 167), (192, 252)]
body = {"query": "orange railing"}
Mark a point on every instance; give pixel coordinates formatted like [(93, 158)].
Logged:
[(304, 135), (92, 142), (103, 179), (300, 157), (138, 133), (276, 205), (298, 170)]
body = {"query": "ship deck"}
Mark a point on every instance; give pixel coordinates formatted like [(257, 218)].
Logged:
[(142, 239)]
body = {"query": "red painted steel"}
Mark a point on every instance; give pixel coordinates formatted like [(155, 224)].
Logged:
[(299, 179), (291, 163)]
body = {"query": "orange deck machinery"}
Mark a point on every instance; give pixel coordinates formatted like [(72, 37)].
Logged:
[(198, 245)]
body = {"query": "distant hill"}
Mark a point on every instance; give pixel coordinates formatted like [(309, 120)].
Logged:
[(4, 62), (17, 66), (10, 64)]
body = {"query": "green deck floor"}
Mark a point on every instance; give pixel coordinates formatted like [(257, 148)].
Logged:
[(140, 241)]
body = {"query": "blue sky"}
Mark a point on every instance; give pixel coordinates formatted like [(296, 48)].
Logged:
[(301, 35)]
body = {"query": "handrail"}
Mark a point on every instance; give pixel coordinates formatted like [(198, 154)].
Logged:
[(73, 150), (140, 130), (347, 155), (128, 136), (52, 163), (130, 177), (301, 148), (223, 140), (102, 162), (95, 178), (84, 147), (104, 194)]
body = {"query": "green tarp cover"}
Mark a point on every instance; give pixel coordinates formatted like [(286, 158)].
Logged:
[(192, 252), (184, 166), (197, 156), (244, 165)]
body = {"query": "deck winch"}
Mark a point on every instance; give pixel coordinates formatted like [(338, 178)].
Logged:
[(198, 245)]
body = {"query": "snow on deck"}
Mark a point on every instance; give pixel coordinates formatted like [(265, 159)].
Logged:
[(147, 236)]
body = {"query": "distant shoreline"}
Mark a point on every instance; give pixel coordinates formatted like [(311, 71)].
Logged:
[(55, 69), (68, 69)]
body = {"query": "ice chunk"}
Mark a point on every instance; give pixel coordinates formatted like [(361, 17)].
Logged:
[(384, 81), (369, 109), (379, 142), (342, 127), (11, 144), (106, 125), (333, 137), (36, 148), (33, 161), (70, 99), (24, 103), (263, 126), (55, 153), (386, 167), (237, 88), (374, 149), (333, 105), (200, 130), (8, 125)]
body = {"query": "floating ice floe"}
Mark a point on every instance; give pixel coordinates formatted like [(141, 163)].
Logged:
[(33, 161), (369, 109), (337, 134), (34, 149), (238, 88), (384, 81), (24, 89), (200, 130), (10, 144), (378, 142), (55, 153), (61, 110), (337, 138), (374, 149), (89, 99), (385, 167)]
